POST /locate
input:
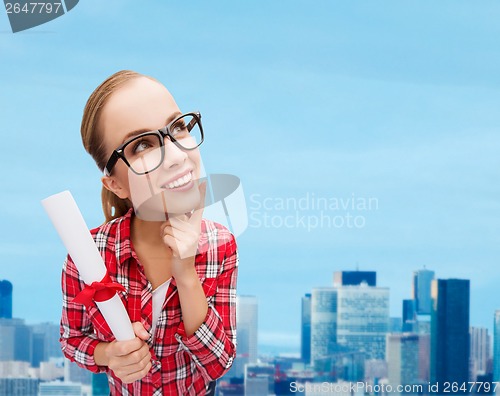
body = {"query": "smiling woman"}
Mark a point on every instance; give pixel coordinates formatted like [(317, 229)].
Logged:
[(180, 283)]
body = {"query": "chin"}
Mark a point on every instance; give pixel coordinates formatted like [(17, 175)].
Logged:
[(166, 203)]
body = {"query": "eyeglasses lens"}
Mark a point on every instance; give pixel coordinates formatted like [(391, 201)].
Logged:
[(145, 153)]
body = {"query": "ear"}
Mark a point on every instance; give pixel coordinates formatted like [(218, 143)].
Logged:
[(113, 185)]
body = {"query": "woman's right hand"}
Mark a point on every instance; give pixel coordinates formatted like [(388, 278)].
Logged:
[(130, 360)]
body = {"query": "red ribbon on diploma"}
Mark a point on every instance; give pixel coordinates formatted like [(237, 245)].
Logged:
[(98, 291)]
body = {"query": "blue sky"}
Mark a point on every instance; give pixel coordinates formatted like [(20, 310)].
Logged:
[(396, 101)]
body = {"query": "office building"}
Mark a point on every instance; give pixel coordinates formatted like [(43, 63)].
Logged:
[(76, 374), (15, 340), (305, 333), (424, 353), (259, 379), (54, 388), (14, 369), (354, 278), (246, 324), (480, 342), (402, 358), (323, 322), (496, 346), (409, 316), (421, 291), (450, 331), (343, 364), (5, 299), (48, 335), (21, 386), (52, 370), (363, 319)]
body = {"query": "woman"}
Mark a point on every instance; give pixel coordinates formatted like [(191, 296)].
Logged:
[(177, 269)]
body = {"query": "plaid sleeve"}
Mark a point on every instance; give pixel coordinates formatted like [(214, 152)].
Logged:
[(213, 346), (78, 339)]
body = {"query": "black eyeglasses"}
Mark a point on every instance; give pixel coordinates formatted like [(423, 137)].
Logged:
[(146, 152)]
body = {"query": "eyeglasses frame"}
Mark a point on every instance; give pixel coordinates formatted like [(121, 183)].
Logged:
[(162, 133)]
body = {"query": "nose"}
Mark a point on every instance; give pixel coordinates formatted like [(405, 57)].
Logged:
[(174, 156)]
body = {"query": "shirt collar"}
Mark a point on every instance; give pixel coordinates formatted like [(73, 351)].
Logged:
[(123, 242)]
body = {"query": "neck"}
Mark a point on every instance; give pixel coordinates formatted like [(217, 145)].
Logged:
[(146, 232)]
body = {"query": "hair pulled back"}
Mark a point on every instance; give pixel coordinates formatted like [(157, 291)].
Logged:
[(93, 139)]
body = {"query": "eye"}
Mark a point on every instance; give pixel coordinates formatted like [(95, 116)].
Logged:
[(141, 146), (179, 130)]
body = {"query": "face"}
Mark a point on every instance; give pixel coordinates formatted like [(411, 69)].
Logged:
[(143, 105)]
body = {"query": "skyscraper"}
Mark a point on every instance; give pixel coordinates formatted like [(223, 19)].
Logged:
[(424, 353), (480, 342), (259, 379), (402, 358), (363, 319), (48, 334), (323, 322), (246, 323), (409, 316), (421, 290), (15, 340), (354, 278), (450, 331), (496, 346), (305, 333), (5, 299)]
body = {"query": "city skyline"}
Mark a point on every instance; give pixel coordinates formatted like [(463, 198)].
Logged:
[(353, 333), (400, 170), (297, 347)]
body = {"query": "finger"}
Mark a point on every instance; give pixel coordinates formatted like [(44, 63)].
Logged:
[(171, 242), (179, 232), (127, 363), (137, 375), (140, 331), (176, 229), (123, 348)]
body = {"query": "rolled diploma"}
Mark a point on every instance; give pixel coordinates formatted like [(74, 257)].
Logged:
[(70, 225)]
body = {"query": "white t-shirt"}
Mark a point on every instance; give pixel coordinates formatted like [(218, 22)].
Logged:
[(158, 300)]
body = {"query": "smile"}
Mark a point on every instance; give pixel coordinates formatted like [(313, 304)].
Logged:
[(181, 181)]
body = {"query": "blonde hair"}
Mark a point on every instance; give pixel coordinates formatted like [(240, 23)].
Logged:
[(93, 139)]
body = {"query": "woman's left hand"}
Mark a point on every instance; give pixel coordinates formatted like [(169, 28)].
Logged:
[(182, 233)]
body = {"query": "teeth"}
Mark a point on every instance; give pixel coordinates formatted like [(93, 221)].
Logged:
[(180, 181)]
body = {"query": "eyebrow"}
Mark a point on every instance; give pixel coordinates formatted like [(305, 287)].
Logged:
[(132, 134)]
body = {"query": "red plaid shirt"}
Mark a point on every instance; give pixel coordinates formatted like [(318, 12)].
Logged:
[(181, 365)]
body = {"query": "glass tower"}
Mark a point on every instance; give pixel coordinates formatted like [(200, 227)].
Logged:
[(246, 324), (421, 290), (450, 348), (323, 322), (305, 333), (5, 299), (496, 346)]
